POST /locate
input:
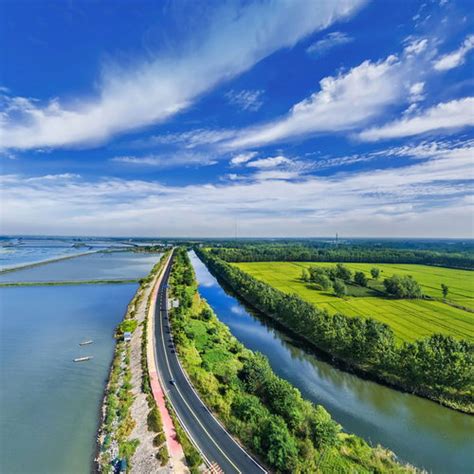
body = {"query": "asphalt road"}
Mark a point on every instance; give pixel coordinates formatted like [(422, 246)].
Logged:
[(215, 443)]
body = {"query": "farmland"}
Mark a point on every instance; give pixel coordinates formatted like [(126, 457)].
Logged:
[(409, 319)]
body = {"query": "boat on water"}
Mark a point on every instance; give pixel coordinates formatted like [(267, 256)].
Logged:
[(83, 359), (84, 343)]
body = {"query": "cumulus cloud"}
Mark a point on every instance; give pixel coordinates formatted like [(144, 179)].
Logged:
[(446, 116), (152, 91), (322, 46), (455, 58)]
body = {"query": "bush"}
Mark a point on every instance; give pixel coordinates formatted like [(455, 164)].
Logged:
[(159, 439), (128, 325), (360, 279), (340, 289), (163, 456), (154, 420)]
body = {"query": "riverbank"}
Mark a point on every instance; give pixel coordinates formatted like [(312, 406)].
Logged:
[(333, 336)]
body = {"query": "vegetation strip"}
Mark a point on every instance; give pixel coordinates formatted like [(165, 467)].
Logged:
[(283, 252), (116, 447), (266, 413), (437, 367)]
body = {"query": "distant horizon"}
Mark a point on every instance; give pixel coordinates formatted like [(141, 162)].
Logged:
[(143, 237)]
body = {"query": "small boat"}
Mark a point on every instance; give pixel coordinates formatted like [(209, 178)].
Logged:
[(84, 343), (82, 359)]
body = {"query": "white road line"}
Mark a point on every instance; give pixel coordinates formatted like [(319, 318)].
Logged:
[(186, 403)]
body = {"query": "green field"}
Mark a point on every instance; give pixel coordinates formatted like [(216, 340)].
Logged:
[(410, 319)]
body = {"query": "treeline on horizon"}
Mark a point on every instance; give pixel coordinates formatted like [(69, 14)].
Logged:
[(272, 252), (437, 367)]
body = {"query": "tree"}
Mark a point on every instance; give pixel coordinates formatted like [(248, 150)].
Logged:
[(322, 281), (339, 288), (402, 287), (206, 314), (305, 275), (323, 429), (277, 444), (360, 278), (375, 272), (342, 272), (445, 290)]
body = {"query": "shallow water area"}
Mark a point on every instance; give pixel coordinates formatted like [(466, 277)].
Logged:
[(96, 266)]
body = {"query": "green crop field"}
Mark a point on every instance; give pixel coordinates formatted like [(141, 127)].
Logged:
[(410, 319)]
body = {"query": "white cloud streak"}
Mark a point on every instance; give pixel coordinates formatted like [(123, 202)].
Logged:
[(153, 91), (456, 58), (330, 41), (446, 116), (250, 100)]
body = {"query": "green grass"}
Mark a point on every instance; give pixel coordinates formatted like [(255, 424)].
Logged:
[(409, 319)]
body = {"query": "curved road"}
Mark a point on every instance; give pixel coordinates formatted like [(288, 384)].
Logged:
[(215, 444)]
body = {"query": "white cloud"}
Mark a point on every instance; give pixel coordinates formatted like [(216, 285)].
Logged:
[(416, 92), (151, 91), (167, 160), (343, 103), (322, 46), (242, 158), (446, 116), (272, 162), (455, 58), (250, 100), (416, 46), (429, 197)]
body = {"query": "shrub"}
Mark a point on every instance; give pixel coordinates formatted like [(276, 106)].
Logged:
[(154, 420)]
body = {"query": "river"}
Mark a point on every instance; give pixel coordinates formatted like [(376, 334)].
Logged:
[(419, 431)]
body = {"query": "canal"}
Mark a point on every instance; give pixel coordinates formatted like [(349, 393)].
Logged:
[(419, 431)]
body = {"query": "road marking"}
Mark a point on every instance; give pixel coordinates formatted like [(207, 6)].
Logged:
[(186, 403)]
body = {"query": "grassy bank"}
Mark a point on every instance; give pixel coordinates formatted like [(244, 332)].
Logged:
[(409, 319), (267, 414)]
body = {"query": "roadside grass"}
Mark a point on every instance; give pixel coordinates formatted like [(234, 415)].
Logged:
[(409, 319)]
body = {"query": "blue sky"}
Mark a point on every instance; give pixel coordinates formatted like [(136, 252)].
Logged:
[(272, 118)]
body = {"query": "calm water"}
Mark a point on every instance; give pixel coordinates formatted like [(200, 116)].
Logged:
[(49, 405), (107, 265), (21, 250), (418, 431)]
